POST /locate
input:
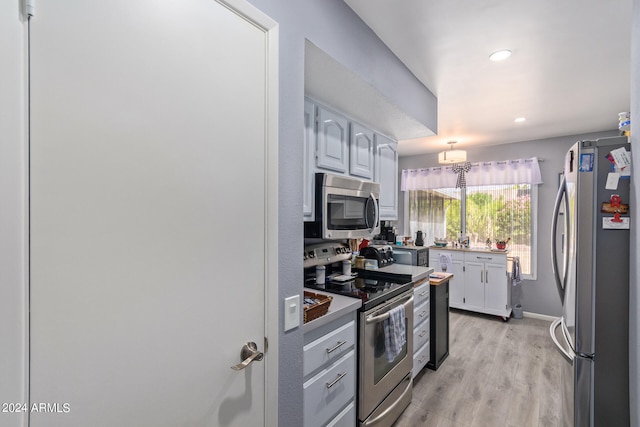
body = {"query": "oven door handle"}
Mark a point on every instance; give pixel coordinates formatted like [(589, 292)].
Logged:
[(386, 315)]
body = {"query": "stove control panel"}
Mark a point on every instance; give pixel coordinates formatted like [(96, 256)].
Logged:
[(325, 253)]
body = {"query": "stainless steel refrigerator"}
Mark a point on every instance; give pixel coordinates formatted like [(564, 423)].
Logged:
[(590, 258)]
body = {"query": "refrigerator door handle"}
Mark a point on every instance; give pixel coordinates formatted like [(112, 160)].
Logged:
[(552, 331), (560, 197)]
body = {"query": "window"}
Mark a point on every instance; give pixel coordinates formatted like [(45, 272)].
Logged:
[(499, 202), (493, 212), (501, 212)]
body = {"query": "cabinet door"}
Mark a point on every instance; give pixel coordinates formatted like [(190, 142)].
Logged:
[(496, 287), (332, 139), (361, 152), (474, 284), (309, 160), (386, 172), (456, 285)]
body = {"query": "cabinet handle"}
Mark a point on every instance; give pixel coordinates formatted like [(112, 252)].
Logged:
[(422, 359), (486, 276), (422, 334), (335, 347), (423, 293), (480, 276), (334, 382), (424, 313)]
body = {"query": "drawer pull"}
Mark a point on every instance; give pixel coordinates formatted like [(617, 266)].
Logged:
[(424, 313), (422, 334), (340, 376), (423, 293), (335, 347), (421, 360)]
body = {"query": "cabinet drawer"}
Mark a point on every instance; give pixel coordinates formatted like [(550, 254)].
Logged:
[(346, 418), (421, 294), (421, 313), (329, 391), (420, 359), (490, 258), (421, 334), (328, 348)]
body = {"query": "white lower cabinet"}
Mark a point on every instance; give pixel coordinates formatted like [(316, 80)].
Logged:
[(480, 281), (421, 329), (329, 367), (456, 283)]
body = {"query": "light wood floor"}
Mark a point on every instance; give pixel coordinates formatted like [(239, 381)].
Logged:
[(498, 374)]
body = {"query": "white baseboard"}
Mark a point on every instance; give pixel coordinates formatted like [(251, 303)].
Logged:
[(538, 316)]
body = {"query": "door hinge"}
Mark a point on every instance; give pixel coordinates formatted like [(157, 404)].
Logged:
[(29, 7)]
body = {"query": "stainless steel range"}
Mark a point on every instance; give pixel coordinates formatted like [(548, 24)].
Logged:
[(384, 381)]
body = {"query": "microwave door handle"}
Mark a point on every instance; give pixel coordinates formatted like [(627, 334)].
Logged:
[(377, 216), (554, 229)]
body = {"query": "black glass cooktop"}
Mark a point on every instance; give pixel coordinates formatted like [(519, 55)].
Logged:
[(372, 291)]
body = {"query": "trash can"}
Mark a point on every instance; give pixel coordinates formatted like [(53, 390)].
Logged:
[(517, 311)]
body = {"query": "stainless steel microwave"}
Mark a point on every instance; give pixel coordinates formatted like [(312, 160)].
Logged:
[(345, 208)]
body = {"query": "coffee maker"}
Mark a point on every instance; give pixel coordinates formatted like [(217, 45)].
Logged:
[(386, 232)]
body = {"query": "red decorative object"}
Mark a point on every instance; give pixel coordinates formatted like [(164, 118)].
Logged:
[(615, 201)]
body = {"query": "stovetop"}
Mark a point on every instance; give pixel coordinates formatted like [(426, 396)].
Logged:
[(372, 291)]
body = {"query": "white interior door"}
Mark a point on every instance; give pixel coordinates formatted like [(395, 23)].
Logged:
[(151, 208)]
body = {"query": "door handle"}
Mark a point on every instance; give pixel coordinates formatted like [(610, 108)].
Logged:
[(248, 354)]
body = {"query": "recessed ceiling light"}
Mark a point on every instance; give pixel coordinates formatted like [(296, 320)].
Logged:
[(500, 55), (520, 119)]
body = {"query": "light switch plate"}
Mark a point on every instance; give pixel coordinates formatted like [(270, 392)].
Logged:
[(291, 312)]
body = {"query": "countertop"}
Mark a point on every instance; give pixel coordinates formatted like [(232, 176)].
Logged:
[(340, 306), (435, 281), (481, 250)]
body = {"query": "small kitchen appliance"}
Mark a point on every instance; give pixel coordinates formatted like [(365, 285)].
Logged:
[(346, 208), (412, 255), (383, 254)]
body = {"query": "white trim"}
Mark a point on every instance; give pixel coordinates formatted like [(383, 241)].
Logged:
[(538, 316), (271, 29)]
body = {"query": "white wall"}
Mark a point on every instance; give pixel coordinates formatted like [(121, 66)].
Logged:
[(13, 295), (537, 296)]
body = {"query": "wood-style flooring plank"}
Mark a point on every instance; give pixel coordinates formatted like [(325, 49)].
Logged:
[(497, 374)]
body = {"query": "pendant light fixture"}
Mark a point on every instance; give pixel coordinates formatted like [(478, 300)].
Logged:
[(452, 156)]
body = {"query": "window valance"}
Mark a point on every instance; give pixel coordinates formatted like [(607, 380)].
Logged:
[(519, 171)]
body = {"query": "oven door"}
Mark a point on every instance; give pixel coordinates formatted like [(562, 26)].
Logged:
[(378, 376), (349, 214)]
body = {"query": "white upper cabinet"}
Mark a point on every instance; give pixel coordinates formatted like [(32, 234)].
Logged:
[(309, 150), (361, 152), (332, 141), (335, 144), (386, 173)]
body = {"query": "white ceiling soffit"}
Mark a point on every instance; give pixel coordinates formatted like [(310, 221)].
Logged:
[(331, 83), (569, 72)]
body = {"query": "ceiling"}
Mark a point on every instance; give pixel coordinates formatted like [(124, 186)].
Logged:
[(568, 73)]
